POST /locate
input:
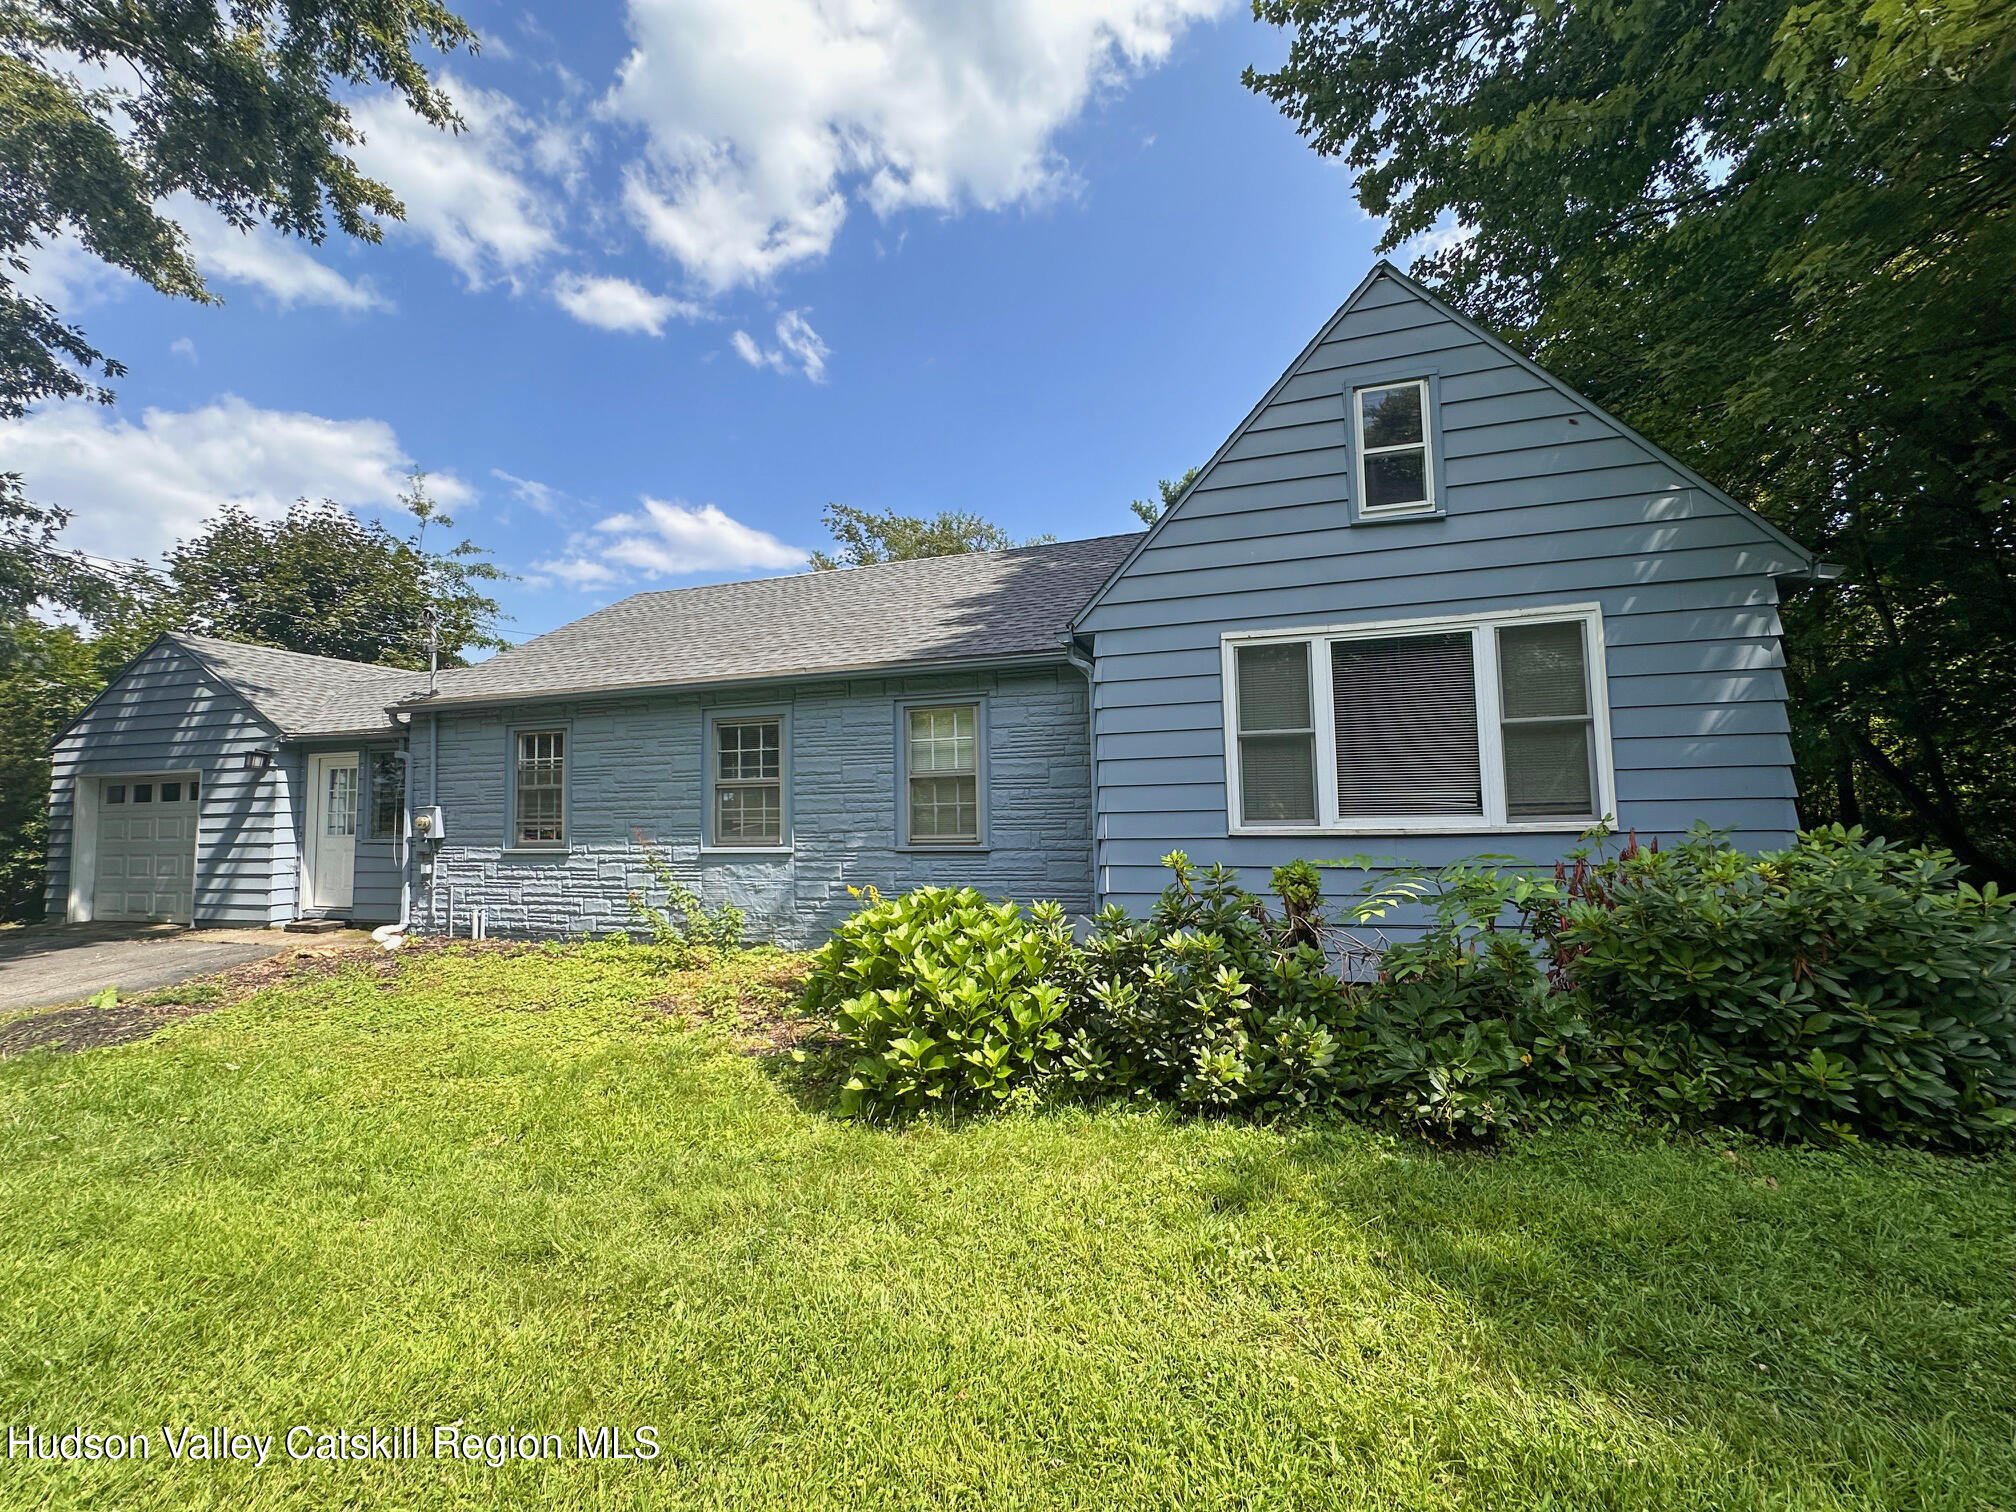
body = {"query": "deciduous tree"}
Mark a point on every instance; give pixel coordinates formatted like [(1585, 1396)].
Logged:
[(1171, 489), (327, 583), (863, 537)]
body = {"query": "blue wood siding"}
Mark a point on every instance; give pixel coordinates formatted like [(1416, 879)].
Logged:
[(165, 714), (377, 889), (1547, 503), (635, 773)]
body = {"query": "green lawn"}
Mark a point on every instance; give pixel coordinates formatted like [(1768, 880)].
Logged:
[(514, 1191)]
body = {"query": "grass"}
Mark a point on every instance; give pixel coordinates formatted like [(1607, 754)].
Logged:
[(513, 1191)]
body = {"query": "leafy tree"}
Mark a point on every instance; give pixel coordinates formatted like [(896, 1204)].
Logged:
[(1171, 489), (34, 569), (327, 583), (865, 537), (1775, 236), (108, 108)]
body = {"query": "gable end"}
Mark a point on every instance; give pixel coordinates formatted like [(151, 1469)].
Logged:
[(1324, 412), (164, 647)]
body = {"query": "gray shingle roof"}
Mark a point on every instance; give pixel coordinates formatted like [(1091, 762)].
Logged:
[(306, 695), (956, 608)]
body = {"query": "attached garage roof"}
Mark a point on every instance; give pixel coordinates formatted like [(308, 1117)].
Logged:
[(306, 696), (984, 606)]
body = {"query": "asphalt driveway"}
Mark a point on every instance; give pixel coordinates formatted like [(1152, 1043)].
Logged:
[(65, 963)]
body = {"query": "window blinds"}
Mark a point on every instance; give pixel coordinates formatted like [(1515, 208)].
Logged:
[(1406, 710)]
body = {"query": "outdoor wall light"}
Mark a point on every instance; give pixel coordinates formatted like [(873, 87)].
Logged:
[(258, 759)]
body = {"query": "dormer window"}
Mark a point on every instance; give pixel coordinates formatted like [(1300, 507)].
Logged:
[(1396, 465)]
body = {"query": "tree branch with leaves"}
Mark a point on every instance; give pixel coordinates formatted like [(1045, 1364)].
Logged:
[(106, 110), (864, 537)]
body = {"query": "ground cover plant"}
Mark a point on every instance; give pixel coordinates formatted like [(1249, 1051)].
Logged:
[(1837, 990), (538, 1187)]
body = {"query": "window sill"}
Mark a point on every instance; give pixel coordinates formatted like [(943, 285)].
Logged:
[(1421, 827), (949, 848), (748, 850), (522, 852), (1397, 516)]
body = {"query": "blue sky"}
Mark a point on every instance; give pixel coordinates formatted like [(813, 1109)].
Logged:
[(701, 266)]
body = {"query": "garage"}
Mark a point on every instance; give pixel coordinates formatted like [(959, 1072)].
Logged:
[(146, 848)]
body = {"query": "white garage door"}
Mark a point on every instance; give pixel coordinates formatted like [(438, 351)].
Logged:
[(146, 849)]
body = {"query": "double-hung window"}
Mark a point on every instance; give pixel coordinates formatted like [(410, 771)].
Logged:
[(1396, 463), (1485, 723), (539, 818), (941, 774), (748, 779), (1277, 734), (1547, 720)]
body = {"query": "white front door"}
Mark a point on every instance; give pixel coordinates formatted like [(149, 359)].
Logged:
[(332, 829), (146, 848)]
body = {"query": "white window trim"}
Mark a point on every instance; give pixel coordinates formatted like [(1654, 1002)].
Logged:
[(711, 843), (1490, 739), (905, 833), (1426, 445)]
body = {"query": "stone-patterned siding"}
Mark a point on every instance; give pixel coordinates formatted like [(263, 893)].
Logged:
[(635, 773)]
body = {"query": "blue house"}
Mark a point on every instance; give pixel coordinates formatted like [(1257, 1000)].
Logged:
[(1425, 601)]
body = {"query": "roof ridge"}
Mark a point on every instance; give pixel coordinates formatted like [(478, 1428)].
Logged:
[(940, 556)]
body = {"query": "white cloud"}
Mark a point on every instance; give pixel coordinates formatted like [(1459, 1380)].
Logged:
[(136, 488), (763, 117), (543, 497), (182, 346), (278, 266), (466, 194), (802, 343), (668, 538), (67, 275), (578, 572), (616, 304), (1447, 232), (673, 539), (798, 345), (71, 278)]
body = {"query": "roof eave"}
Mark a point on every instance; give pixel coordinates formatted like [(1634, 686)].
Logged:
[(391, 729)]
